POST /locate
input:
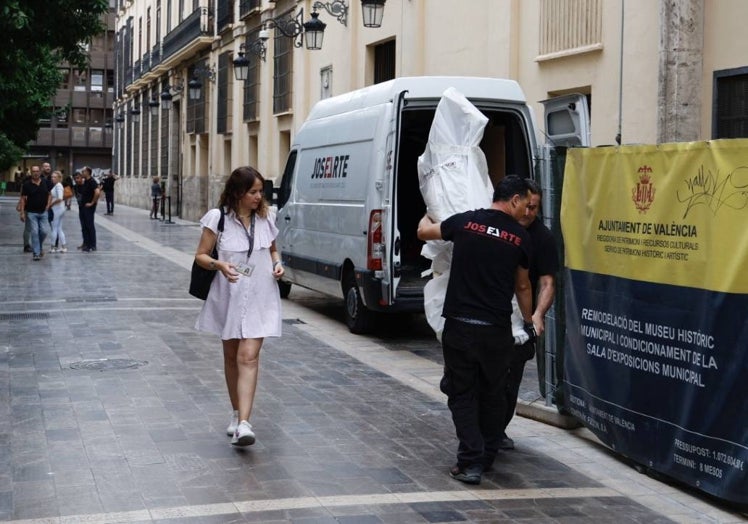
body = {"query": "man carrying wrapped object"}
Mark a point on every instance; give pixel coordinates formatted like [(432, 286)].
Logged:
[(491, 255)]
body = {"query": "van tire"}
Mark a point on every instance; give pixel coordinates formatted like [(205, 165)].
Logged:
[(357, 317), (284, 288)]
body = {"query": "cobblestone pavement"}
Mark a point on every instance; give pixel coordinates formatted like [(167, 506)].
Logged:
[(113, 409)]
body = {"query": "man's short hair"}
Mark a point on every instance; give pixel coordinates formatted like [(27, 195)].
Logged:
[(534, 187), (509, 186)]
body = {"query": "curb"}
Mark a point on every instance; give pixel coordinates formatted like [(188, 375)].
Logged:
[(546, 414)]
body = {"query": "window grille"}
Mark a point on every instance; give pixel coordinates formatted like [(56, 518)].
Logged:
[(384, 62), (252, 83), (223, 115), (568, 25), (283, 72)]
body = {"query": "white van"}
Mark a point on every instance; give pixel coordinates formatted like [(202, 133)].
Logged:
[(349, 200)]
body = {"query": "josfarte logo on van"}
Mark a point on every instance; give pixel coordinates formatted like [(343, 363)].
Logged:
[(331, 167)]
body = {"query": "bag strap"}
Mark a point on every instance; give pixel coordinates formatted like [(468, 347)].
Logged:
[(220, 222)]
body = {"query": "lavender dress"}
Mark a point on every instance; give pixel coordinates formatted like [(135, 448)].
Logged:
[(251, 307)]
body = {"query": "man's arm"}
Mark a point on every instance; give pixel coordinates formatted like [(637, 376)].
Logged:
[(546, 294), (523, 290), (428, 230), (96, 194)]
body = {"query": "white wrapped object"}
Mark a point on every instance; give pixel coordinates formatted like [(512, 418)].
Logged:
[(453, 177)]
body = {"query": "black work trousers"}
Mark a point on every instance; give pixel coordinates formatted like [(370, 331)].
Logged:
[(476, 363), (87, 224), (520, 356)]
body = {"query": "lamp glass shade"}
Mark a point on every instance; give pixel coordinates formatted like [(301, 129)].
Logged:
[(373, 12), (194, 87), (135, 113), (241, 67), (154, 106), (314, 31), (166, 99)]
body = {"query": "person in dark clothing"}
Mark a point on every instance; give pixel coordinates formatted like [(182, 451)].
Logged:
[(89, 196), (491, 254), (156, 194), (108, 186), (33, 206), (543, 268)]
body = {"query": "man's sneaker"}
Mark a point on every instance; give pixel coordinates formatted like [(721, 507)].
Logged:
[(64, 249), (234, 422), (53, 250), (27, 249), (243, 436), (37, 257), (469, 475)]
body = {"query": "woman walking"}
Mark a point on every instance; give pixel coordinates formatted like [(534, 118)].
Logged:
[(243, 305), (57, 205)]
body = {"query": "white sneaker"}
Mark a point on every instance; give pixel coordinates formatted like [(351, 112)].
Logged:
[(243, 436), (53, 250), (234, 422), (63, 249)]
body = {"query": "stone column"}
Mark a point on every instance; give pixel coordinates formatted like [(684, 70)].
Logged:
[(681, 61)]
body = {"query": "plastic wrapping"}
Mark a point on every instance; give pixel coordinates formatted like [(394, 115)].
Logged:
[(453, 177)]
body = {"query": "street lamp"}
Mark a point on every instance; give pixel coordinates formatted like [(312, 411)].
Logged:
[(154, 104), (166, 97), (314, 31), (373, 11), (241, 64), (194, 86), (135, 114), (120, 119)]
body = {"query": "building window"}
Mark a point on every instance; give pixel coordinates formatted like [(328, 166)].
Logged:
[(97, 80), (79, 115), (96, 116), (154, 143), (248, 6), (80, 80), (223, 115), (730, 105), (64, 78), (282, 71), (225, 14), (144, 142), (196, 108), (252, 83), (568, 26), (384, 62)]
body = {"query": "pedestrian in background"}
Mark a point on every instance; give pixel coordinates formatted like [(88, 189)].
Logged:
[(68, 193), (243, 306), (108, 186), (57, 205), (491, 254), (27, 224), (156, 194), (90, 193), (34, 204)]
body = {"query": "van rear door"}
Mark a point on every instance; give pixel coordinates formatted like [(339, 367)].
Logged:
[(393, 244), (567, 121)]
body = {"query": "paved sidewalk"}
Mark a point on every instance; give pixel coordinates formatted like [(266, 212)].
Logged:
[(113, 409)]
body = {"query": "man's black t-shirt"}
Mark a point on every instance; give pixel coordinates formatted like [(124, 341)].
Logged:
[(108, 184), (488, 247), (87, 190), (545, 255), (36, 196)]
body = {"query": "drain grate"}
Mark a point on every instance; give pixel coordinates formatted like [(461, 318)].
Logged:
[(39, 315), (293, 321), (106, 364)]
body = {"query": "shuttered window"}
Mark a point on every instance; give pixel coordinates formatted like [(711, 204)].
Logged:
[(730, 108), (384, 62)]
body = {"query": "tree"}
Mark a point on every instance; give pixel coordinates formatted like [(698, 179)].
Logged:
[(38, 35)]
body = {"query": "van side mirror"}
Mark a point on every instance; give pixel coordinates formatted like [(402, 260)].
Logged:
[(268, 191)]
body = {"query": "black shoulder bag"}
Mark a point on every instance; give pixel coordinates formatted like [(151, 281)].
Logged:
[(201, 278)]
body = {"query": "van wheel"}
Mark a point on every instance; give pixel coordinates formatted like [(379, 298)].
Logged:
[(359, 319), (284, 288)]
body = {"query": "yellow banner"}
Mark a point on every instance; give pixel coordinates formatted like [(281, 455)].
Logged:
[(672, 214)]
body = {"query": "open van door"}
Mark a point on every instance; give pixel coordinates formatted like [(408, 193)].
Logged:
[(567, 124), (567, 120), (392, 263)]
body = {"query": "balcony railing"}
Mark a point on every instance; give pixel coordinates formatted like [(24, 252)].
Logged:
[(156, 55), (569, 25), (192, 27)]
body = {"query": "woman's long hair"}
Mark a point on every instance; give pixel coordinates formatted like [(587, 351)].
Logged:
[(240, 181)]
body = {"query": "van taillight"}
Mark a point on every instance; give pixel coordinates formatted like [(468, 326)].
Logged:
[(375, 248)]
